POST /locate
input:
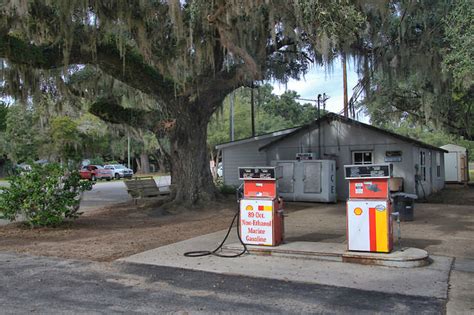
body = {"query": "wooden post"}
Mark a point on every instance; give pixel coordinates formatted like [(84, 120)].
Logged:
[(252, 105), (344, 79), (231, 113)]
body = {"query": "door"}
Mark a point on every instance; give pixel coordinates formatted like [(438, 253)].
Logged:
[(312, 178), (286, 183), (451, 167)]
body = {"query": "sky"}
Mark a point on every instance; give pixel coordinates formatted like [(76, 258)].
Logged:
[(319, 81)]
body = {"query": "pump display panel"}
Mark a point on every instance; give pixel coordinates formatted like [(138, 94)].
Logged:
[(257, 173), (368, 171)]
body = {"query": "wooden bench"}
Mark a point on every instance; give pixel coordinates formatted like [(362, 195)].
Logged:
[(144, 187)]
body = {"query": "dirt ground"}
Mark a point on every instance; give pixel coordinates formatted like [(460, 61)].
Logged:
[(117, 231), (444, 225)]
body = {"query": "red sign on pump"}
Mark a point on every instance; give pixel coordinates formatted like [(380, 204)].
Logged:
[(368, 188), (259, 189)]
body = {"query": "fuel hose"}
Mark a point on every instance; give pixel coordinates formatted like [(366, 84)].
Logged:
[(215, 252)]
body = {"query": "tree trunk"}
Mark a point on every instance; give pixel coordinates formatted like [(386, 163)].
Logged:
[(139, 165), (145, 163), (190, 172)]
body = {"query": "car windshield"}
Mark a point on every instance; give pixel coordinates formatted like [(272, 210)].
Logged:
[(118, 166), (99, 166), (109, 166)]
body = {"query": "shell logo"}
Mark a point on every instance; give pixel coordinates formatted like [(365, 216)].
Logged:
[(357, 211), (249, 208)]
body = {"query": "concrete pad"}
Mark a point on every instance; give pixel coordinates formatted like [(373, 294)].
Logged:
[(430, 281), (406, 258), (461, 287), (308, 250)]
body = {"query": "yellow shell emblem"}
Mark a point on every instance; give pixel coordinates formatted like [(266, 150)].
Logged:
[(357, 211), (249, 208)]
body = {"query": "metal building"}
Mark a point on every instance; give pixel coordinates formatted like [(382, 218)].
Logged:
[(419, 167)]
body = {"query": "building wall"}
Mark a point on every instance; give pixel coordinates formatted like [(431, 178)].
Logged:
[(242, 155), (433, 181), (339, 140)]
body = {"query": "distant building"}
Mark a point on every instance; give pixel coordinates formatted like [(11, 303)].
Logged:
[(456, 164), (345, 141)]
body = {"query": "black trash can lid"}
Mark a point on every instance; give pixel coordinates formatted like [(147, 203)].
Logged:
[(405, 195)]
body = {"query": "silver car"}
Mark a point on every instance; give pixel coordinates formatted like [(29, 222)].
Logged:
[(119, 171)]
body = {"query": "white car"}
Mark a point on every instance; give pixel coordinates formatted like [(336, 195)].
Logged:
[(119, 171)]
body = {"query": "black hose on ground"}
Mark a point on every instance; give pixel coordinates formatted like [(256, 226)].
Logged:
[(201, 253)]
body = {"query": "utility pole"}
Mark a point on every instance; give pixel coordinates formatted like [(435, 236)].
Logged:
[(252, 109), (128, 149), (232, 99), (344, 80), (319, 126)]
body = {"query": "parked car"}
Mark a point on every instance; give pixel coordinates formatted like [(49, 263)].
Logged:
[(220, 170), (95, 172), (119, 171), (22, 168)]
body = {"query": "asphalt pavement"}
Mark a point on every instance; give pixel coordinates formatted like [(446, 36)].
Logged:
[(106, 193), (50, 285)]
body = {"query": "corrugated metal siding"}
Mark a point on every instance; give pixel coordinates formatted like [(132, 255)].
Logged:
[(246, 154), (338, 141)]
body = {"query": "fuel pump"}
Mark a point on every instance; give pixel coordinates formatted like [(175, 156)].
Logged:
[(369, 213), (261, 210), (260, 214)]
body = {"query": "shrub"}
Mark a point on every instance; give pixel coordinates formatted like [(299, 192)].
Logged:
[(45, 196), (97, 161), (223, 188)]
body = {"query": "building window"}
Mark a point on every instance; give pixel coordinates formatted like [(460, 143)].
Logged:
[(438, 164), (423, 165), (362, 157)]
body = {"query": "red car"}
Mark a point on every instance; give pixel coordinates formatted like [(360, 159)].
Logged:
[(95, 172)]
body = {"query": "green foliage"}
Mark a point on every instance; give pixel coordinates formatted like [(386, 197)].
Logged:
[(421, 65), (433, 136), (65, 137), (3, 116), (223, 188), (459, 29), (45, 196), (98, 160), (272, 113), (20, 136)]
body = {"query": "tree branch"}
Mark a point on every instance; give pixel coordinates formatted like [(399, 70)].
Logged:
[(132, 71), (109, 110)]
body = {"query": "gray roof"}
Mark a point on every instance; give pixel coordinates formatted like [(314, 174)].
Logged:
[(332, 116), (285, 133), (277, 133)]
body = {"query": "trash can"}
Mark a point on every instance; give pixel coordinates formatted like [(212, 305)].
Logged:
[(404, 204)]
